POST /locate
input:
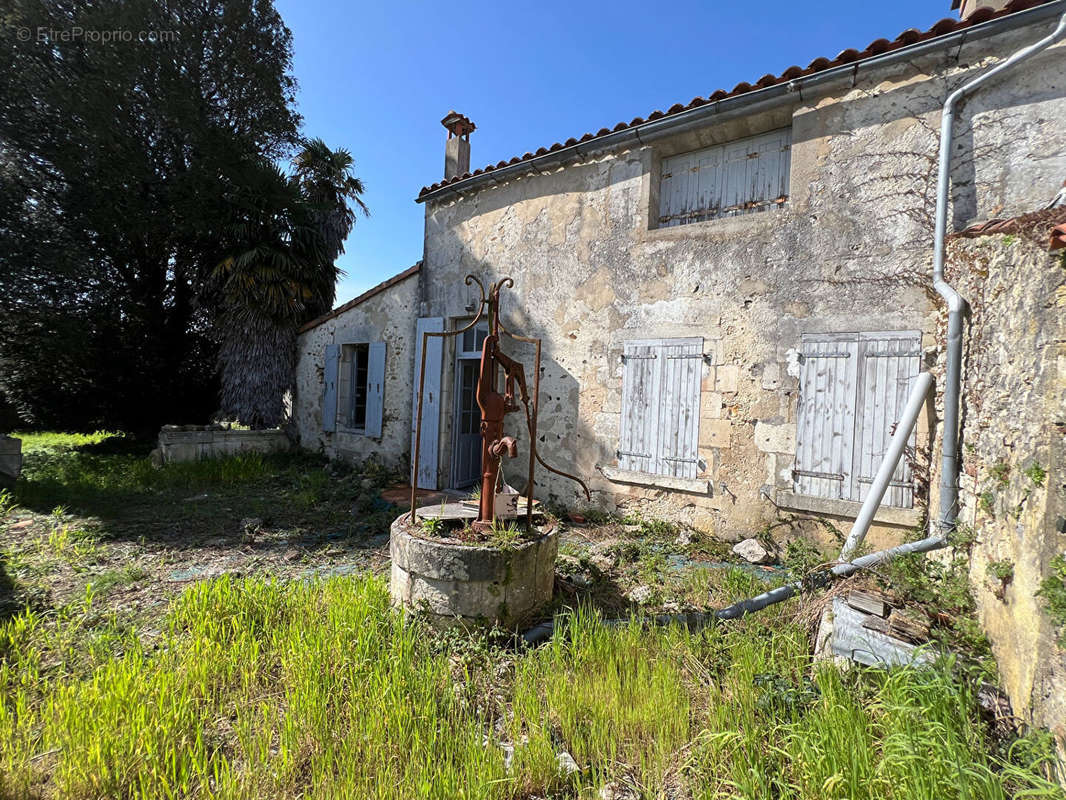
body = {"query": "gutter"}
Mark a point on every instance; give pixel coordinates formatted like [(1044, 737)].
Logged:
[(741, 105)]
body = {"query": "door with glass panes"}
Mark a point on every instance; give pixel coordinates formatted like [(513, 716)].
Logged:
[(466, 451)]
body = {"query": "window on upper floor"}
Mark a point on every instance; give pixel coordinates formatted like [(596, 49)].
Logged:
[(853, 389), (739, 177), (659, 432)]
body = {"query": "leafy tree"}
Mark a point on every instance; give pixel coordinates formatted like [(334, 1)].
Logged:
[(115, 183)]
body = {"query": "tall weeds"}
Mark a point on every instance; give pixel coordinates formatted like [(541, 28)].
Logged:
[(255, 688)]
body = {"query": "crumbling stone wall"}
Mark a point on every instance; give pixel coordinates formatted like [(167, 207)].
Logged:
[(179, 443), (387, 316), (849, 252), (1013, 483)]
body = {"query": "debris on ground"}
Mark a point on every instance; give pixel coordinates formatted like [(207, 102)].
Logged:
[(752, 551)]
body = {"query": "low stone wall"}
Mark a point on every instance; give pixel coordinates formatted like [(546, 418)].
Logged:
[(1013, 483), (10, 459), (197, 442), (478, 585)]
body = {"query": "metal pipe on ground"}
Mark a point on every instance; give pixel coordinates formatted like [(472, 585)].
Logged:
[(697, 620)]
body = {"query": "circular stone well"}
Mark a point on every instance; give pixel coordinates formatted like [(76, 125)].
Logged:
[(452, 582)]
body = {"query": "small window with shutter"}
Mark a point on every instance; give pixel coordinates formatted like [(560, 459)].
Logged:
[(358, 388), (659, 432), (853, 388), (740, 177)]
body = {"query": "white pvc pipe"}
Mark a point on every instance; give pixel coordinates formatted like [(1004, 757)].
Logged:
[(883, 478), (949, 470)]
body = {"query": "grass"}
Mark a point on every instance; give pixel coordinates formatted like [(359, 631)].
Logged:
[(288, 685), (320, 689), (1053, 592)]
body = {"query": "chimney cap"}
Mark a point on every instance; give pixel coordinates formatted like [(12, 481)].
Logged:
[(457, 124)]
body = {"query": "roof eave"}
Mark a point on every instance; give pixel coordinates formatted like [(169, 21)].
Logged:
[(399, 277), (747, 103)]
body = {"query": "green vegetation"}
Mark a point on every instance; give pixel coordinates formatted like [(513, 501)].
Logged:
[(987, 502), (92, 510), (134, 312), (33, 441), (1000, 570), (123, 673), (505, 535), (1053, 590), (1000, 471), (258, 688), (1036, 473), (943, 586), (433, 526)]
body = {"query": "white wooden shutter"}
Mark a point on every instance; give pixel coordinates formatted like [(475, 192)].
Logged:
[(853, 388), (659, 428), (825, 418), (429, 450), (329, 387), (739, 177), (888, 363), (637, 440), (681, 363), (375, 389)]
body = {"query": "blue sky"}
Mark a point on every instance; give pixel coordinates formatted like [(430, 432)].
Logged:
[(377, 77)]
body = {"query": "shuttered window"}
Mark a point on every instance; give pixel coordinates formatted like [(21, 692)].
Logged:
[(659, 432), (739, 177), (853, 388), (355, 377)]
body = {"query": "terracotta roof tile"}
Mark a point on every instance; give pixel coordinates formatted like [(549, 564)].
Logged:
[(876, 47), (1034, 224), (1058, 237)]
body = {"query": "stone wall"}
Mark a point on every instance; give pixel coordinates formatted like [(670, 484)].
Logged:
[(1013, 483), (849, 252), (10, 459), (388, 314), (179, 443)]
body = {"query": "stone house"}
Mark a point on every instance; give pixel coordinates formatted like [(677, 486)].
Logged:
[(733, 294)]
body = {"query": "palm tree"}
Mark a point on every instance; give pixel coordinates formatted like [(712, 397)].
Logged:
[(278, 272), (328, 186)]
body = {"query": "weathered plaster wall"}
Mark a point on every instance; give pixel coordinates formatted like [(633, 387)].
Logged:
[(850, 252), (1015, 418), (388, 316)]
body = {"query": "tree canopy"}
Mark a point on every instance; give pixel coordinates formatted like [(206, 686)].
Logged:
[(131, 173)]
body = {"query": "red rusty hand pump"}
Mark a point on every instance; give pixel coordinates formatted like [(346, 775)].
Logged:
[(494, 407)]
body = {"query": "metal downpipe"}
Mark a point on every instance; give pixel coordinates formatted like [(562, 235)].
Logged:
[(949, 470)]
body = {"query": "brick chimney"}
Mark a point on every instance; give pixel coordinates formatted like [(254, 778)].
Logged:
[(457, 148), (967, 7)]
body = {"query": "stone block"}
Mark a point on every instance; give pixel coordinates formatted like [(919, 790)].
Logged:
[(771, 376), (714, 433), (727, 377), (710, 405), (775, 438)]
